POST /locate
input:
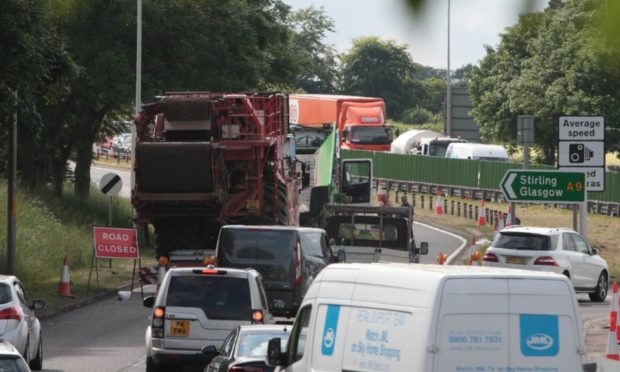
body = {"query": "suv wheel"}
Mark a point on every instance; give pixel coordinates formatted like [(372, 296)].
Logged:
[(37, 363), (600, 292)]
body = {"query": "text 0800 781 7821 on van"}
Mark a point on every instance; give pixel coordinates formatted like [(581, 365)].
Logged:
[(425, 318)]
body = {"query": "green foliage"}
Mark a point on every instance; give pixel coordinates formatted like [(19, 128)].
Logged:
[(553, 63), (317, 61), (48, 228), (417, 115), (378, 68)]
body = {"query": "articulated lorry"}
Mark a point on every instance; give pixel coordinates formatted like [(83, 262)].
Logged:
[(208, 159), (423, 142), (360, 121)]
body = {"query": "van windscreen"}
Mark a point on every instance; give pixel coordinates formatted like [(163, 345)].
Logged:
[(220, 297), (239, 243), (521, 241)]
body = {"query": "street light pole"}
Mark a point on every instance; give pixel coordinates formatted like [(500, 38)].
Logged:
[(11, 252), (449, 87), (138, 98)]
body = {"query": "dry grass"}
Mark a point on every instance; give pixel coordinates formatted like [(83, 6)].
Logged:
[(603, 231)]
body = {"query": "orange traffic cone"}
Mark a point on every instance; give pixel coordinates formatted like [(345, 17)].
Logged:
[(441, 258), (615, 299), (612, 347), (161, 270), (64, 287), (482, 214), (439, 204)]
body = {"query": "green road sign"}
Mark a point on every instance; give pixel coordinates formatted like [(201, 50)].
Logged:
[(543, 186)]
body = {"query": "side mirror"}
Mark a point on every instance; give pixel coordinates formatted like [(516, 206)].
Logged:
[(594, 251), (275, 357), (342, 255), (148, 301), (424, 248), (278, 305), (210, 351), (38, 304)]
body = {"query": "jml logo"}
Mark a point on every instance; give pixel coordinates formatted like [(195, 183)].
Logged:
[(539, 335)]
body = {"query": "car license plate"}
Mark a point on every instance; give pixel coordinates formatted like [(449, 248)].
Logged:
[(516, 260), (179, 328)]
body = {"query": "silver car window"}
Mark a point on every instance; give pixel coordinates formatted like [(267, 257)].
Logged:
[(580, 244), (567, 243), (220, 297), (227, 346)]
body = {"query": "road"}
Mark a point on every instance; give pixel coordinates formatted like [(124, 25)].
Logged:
[(109, 336)]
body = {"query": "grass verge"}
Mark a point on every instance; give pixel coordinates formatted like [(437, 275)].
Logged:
[(48, 228)]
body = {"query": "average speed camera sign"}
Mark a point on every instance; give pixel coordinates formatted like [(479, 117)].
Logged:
[(110, 184)]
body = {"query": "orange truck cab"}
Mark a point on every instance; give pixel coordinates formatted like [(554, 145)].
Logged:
[(360, 120)]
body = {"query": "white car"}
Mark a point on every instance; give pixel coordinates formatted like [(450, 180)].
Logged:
[(19, 324), (11, 359), (200, 306), (558, 250)]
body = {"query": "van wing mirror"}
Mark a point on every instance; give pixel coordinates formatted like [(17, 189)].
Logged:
[(275, 357), (210, 351), (148, 301), (342, 255), (278, 305), (424, 248)]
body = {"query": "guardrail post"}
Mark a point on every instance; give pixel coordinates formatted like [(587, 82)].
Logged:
[(430, 202), (458, 209), (422, 201), (445, 204), (413, 199), (452, 207), (464, 209), (471, 212), (476, 213)]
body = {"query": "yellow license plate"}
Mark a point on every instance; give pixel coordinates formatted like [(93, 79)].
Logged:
[(252, 204), (516, 260), (179, 327)]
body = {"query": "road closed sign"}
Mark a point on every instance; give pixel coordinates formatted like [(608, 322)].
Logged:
[(112, 242)]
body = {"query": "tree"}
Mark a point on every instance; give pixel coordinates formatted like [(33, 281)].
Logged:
[(373, 67), (317, 61)]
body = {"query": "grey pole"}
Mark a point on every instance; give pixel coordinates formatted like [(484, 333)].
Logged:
[(138, 98), (11, 204), (449, 87)]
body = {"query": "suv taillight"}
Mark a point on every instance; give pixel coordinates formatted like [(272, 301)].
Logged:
[(490, 257), (157, 325), (11, 313), (546, 261), (257, 317), (298, 264)]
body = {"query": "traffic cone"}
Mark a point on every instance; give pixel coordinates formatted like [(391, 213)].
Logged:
[(616, 299), (438, 204), (472, 248), (161, 270), (64, 286), (612, 347), (482, 214), (441, 258)]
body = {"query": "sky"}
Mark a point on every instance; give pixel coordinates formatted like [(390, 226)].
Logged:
[(473, 24)]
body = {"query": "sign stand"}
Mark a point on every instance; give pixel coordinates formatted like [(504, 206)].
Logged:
[(111, 243)]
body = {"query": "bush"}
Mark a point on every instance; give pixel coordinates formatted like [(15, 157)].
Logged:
[(417, 115)]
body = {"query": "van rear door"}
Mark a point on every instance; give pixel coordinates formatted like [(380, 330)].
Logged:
[(499, 323), (473, 330)]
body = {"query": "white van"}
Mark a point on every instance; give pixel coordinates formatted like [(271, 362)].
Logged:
[(424, 318), (477, 151)]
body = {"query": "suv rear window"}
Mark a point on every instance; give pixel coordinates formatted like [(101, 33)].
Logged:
[(525, 241), (5, 294), (258, 243), (220, 297)]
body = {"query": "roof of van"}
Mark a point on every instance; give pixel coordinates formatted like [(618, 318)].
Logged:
[(408, 275), (260, 227)]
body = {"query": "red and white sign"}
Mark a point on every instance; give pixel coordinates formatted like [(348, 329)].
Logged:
[(112, 242)]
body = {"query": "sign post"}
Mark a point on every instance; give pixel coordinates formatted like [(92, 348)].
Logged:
[(111, 242), (110, 185)]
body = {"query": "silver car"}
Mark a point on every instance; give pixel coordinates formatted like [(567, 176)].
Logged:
[(557, 250), (199, 306), (11, 359), (19, 324)]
